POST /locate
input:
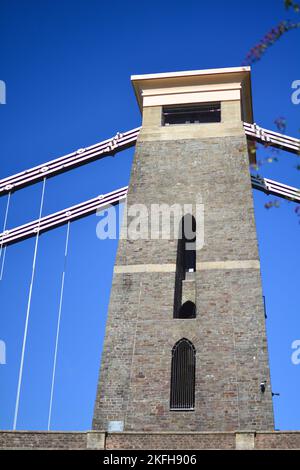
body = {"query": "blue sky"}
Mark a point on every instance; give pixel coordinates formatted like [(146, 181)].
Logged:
[(67, 67)]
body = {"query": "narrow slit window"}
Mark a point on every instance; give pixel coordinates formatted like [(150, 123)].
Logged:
[(185, 264), (189, 243), (182, 396), (191, 114)]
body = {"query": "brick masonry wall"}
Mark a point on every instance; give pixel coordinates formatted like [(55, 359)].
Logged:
[(42, 440), (277, 440), (229, 330), (149, 441), (184, 441)]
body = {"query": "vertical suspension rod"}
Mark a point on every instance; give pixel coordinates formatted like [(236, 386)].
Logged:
[(58, 326), (28, 312)]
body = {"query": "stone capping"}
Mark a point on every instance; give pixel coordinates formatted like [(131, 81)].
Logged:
[(95, 440), (180, 87), (172, 433), (245, 440)]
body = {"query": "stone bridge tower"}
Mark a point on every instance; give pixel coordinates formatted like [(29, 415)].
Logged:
[(185, 346)]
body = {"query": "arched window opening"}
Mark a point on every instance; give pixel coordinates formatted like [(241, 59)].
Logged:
[(187, 310), (182, 396), (185, 263)]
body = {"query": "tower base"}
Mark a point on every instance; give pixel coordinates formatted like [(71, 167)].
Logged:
[(97, 440)]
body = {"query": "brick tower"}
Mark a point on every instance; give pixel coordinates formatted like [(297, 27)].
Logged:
[(185, 346)]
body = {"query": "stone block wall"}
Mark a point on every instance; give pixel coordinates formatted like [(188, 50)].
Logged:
[(229, 329), (94, 440)]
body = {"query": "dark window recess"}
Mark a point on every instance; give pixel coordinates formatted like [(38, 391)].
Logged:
[(265, 308), (185, 263), (183, 376), (193, 114), (187, 310), (189, 242)]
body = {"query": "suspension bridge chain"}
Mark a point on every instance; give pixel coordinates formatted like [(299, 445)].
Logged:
[(108, 147), (115, 197), (119, 142), (62, 217), (3, 251), (272, 139), (275, 188)]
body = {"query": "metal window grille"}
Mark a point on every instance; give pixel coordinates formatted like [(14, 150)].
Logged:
[(183, 376), (191, 114)]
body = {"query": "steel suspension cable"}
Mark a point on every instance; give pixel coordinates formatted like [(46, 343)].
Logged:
[(58, 325), (28, 311)]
